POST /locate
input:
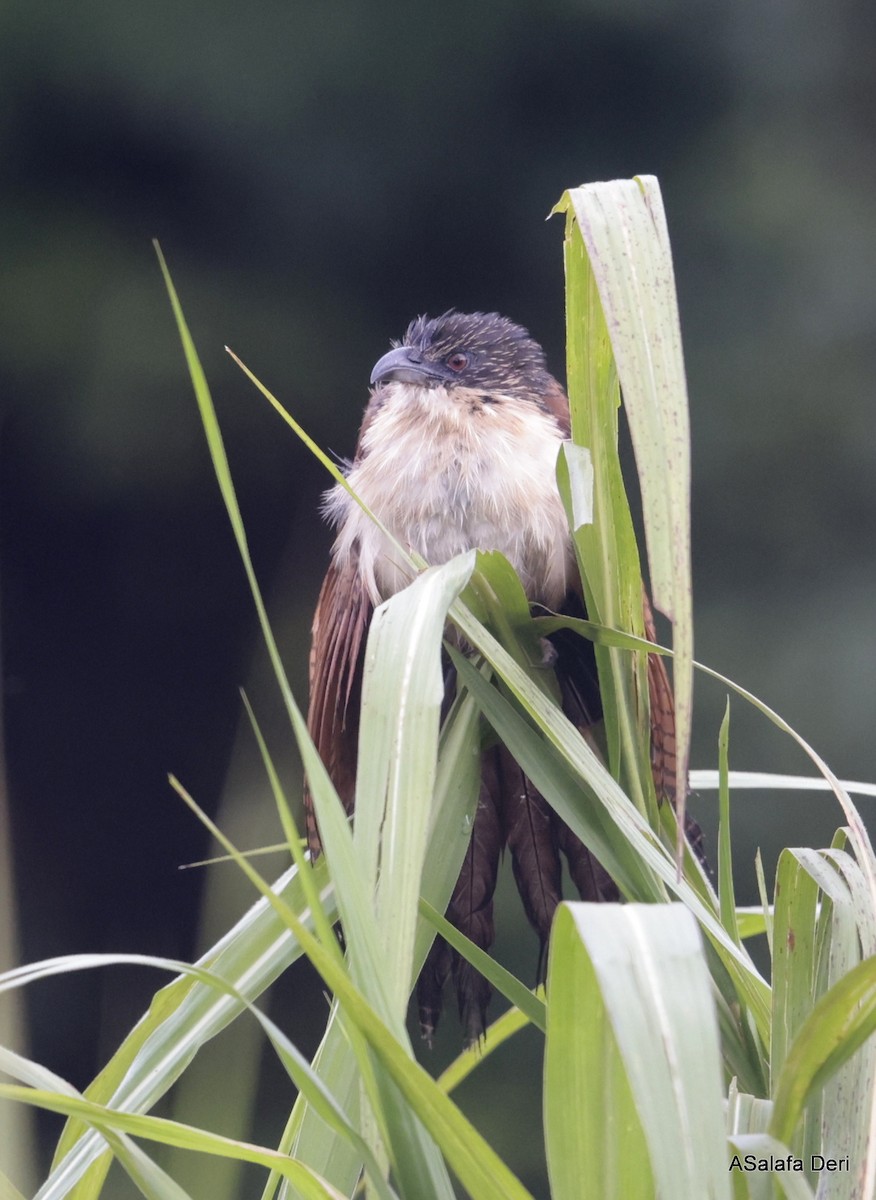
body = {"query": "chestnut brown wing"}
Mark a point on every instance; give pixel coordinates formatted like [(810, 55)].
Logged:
[(662, 707), (340, 627)]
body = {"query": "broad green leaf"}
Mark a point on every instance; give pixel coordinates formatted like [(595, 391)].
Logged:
[(608, 556), (579, 465), (835, 1029), (596, 1146), (829, 1068), (456, 790), (633, 1091), (623, 226), (404, 688), (794, 963), (402, 693)]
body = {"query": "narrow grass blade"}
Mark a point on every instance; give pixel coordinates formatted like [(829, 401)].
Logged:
[(503, 981), (109, 1121), (726, 894), (503, 1028), (768, 910), (476, 1164), (182, 1017), (642, 839), (299, 1070), (705, 780)]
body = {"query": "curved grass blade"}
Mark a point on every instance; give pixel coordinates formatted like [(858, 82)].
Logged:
[(110, 1122), (503, 1028), (502, 980), (300, 1071), (642, 840), (474, 1161), (181, 1018)]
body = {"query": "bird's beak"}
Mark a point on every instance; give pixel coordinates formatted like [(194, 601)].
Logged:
[(406, 365)]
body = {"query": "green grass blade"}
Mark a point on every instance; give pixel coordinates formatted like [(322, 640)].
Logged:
[(181, 1018), (581, 759), (835, 1029), (764, 1183), (456, 791), (109, 1121), (793, 955), (336, 473), (474, 1161), (623, 226), (402, 694), (608, 555), (768, 910), (503, 981), (726, 894), (705, 780), (857, 829), (299, 1070), (356, 906), (503, 1028), (633, 1091)]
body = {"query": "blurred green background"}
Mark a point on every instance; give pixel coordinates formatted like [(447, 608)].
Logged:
[(317, 175)]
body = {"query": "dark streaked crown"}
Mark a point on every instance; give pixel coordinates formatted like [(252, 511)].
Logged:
[(499, 355)]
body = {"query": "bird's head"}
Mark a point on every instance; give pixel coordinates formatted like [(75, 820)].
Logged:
[(478, 352)]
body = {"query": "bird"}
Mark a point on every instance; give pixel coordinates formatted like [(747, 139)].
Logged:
[(457, 451)]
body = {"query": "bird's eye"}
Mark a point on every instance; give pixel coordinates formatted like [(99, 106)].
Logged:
[(458, 361)]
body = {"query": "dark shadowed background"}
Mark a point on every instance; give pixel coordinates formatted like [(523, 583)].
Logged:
[(317, 175)]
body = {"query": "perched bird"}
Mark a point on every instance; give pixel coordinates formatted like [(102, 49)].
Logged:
[(458, 450)]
